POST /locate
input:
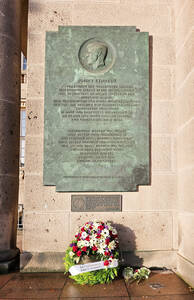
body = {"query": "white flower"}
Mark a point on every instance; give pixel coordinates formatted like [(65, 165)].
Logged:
[(87, 226), (113, 261), (77, 259), (86, 243), (93, 242), (111, 245), (95, 225), (84, 235), (80, 244), (114, 231), (105, 232), (101, 251), (71, 254), (102, 244)]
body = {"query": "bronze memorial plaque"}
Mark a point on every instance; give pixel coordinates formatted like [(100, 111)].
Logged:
[(80, 203), (96, 120)]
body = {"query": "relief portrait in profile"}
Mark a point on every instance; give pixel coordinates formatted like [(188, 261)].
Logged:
[(95, 56)]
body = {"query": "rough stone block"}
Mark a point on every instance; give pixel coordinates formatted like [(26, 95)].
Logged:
[(36, 48), (43, 262), (186, 235), (35, 85), (175, 229), (42, 198), (135, 228), (163, 117), (184, 23), (56, 201), (185, 60), (185, 269), (161, 153), (33, 154), (164, 50), (152, 18), (160, 259), (34, 117), (178, 6), (185, 190), (162, 84), (160, 195), (33, 193), (185, 144), (93, 13), (148, 2), (46, 232), (47, 16), (185, 103)]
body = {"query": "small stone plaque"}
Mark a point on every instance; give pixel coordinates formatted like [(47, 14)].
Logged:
[(80, 203)]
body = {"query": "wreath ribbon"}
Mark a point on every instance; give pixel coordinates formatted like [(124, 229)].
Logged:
[(83, 268)]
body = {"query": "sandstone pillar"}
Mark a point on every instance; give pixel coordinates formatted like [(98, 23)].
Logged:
[(9, 130)]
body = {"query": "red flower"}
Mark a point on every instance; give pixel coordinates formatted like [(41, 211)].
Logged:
[(84, 249), (82, 229), (88, 238), (75, 248), (106, 262), (79, 253), (94, 248), (98, 236), (107, 241), (106, 253), (101, 227), (91, 227)]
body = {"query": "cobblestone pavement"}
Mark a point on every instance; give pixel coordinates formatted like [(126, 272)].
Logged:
[(163, 285)]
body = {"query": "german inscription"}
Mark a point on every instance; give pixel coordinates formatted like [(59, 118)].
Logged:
[(80, 203), (96, 109)]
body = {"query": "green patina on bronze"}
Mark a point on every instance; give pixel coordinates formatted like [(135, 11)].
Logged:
[(96, 122)]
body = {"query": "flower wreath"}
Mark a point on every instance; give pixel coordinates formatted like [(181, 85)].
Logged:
[(96, 242)]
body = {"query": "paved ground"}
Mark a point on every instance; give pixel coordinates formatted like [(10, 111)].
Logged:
[(160, 286)]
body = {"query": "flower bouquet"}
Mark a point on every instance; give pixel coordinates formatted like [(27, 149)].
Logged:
[(92, 256), (137, 275)]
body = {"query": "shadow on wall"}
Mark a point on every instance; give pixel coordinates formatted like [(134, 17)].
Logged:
[(127, 245)]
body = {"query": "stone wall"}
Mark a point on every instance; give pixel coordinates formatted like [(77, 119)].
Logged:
[(185, 136), (149, 213)]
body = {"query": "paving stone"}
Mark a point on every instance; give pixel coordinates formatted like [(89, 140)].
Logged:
[(55, 286), (27, 293), (164, 283), (37, 281), (34, 285), (169, 297), (116, 289), (95, 298), (4, 278)]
